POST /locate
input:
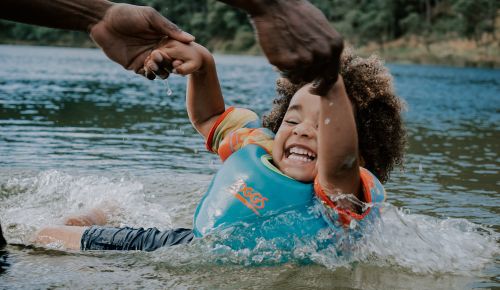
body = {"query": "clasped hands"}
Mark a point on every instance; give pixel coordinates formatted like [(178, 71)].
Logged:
[(298, 40)]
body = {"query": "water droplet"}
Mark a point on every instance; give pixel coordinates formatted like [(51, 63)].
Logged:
[(169, 91), (327, 121)]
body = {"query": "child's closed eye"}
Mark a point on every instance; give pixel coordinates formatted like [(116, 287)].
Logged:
[(291, 122)]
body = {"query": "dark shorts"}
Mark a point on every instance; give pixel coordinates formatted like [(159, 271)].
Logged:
[(109, 238)]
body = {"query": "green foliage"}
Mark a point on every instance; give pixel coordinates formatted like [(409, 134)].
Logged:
[(476, 16), (224, 28)]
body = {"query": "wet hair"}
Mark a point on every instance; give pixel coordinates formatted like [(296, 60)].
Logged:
[(381, 132)]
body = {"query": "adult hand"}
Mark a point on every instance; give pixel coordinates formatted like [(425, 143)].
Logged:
[(128, 34), (296, 38)]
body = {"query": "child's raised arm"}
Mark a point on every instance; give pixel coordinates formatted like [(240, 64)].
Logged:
[(338, 144), (204, 99)]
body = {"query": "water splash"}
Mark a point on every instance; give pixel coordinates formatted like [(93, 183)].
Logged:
[(416, 243), (425, 244), (49, 197)]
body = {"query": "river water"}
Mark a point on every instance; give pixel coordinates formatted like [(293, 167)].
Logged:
[(77, 131)]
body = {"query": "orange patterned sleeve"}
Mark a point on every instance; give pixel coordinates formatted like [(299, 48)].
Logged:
[(236, 128), (373, 191)]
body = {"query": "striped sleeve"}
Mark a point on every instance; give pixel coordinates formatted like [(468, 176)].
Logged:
[(231, 120), (236, 128)]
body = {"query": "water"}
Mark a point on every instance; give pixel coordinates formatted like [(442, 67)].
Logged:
[(76, 131)]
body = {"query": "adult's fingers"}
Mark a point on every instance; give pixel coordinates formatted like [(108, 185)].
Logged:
[(304, 74), (165, 26), (321, 86)]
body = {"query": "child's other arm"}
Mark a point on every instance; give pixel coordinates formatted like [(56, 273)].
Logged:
[(338, 143), (204, 99)]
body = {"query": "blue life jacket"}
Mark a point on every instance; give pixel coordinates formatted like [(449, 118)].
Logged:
[(250, 195)]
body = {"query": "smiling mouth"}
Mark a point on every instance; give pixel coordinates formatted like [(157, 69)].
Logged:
[(300, 154)]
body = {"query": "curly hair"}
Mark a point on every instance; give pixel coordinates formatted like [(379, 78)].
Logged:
[(381, 132)]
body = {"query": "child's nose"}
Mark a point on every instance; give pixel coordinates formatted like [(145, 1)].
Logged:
[(304, 130)]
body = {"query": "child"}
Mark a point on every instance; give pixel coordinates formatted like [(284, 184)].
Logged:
[(310, 147)]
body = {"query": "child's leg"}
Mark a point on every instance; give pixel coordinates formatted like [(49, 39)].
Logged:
[(109, 238), (68, 236)]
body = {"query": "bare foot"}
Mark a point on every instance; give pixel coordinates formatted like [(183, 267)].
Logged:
[(67, 237), (90, 218)]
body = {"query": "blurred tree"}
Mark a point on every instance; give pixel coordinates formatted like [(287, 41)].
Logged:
[(225, 29)]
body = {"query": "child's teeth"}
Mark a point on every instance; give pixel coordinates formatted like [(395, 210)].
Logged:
[(302, 151)]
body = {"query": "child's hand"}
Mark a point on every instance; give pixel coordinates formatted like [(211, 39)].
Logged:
[(177, 57)]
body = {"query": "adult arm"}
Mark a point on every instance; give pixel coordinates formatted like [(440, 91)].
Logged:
[(126, 33), (297, 38), (338, 167)]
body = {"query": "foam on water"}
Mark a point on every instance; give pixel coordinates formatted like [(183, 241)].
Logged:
[(27, 204), (417, 243), (427, 244)]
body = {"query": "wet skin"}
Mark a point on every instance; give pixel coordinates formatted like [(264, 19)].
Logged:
[(295, 147)]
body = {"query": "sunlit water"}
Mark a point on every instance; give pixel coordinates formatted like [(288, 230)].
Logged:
[(77, 131)]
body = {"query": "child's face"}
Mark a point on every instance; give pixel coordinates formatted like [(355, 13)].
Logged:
[(295, 148)]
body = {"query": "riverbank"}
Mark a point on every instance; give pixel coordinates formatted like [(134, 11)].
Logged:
[(410, 50), (456, 52)]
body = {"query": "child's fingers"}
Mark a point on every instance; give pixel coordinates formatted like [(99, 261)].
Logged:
[(177, 63), (186, 68), (159, 64)]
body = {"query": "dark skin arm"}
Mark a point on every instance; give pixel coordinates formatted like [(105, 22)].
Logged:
[(296, 38), (72, 15), (126, 33)]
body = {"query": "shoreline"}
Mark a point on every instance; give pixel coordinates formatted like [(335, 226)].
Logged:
[(406, 50), (454, 52)]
